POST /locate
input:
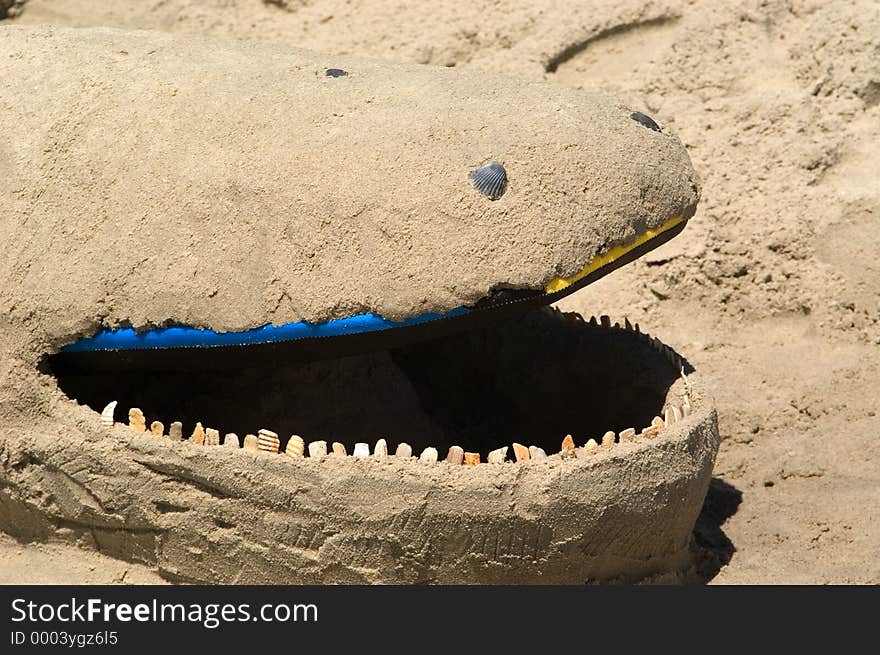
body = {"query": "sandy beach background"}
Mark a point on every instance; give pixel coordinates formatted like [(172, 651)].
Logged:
[(773, 290)]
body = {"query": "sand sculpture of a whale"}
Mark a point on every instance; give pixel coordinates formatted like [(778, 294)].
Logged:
[(235, 189)]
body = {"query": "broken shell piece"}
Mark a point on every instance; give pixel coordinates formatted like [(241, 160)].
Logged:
[(380, 450), (521, 452), (429, 455), (136, 420), (251, 443), (198, 435), (608, 439), (175, 431), (212, 437), (403, 450), (627, 435), (231, 440), (268, 441), (455, 455), (497, 456), (537, 453), (339, 449), (317, 449), (471, 459), (107, 414), (157, 429), (657, 422), (361, 450), (295, 447), (568, 443)]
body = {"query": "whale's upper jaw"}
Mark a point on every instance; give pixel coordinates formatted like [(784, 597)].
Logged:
[(182, 190)]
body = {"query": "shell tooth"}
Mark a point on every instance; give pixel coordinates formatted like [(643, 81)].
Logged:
[(471, 459), (403, 450), (198, 435), (317, 449), (521, 453), (251, 443), (592, 321), (212, 437), (589, 448), (157, 429), (537, 453), (175, 431), (636, 327), (627, 324), (455, 455), (676, 412), (107, 414), (231, 440), (608, 439), (339, 449), (268, 441), (605, 321), (136, 420), (295, 447), (657, 422), (490, 180), (568, 443), (497, 456), (627, 435), (429, 455), (686, 407), (380, 451), (361, 449)]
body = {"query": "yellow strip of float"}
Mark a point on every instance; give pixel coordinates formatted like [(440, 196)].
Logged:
[(559, 283)]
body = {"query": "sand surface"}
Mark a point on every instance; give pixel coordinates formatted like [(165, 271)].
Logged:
[(773, 291)]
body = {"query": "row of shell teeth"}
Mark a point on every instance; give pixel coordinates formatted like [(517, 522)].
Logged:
[(605, 321), (267, 441)]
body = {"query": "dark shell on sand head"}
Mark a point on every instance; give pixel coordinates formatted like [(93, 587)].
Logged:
[(645, 120), (490, 180)]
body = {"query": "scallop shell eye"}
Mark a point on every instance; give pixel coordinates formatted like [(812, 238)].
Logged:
[(490, 180), (645, 120)]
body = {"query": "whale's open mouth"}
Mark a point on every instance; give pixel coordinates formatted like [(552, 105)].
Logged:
[(539, 448), (523, 388)]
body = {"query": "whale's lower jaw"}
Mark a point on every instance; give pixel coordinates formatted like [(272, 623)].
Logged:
[(622, 509)]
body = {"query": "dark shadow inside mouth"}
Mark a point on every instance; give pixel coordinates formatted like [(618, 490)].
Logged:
[(531, 380)]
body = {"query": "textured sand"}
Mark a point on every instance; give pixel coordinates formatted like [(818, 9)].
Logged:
[(772, 290)]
